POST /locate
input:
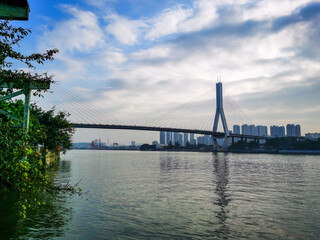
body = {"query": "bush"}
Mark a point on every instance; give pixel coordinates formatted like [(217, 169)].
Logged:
[(20, 165)]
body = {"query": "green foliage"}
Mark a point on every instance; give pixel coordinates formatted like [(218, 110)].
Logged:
[(292, 143), (20, 158), (145, 147), (242, 145), (58, 130), (10, 38), (20, 165)]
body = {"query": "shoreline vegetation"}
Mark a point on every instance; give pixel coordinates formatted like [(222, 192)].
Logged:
[(24, 151), (285, 145), (282, 152)]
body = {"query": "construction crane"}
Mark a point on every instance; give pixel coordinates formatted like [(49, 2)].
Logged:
[(93, 143)]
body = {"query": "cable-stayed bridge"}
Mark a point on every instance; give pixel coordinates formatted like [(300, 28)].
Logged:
[(84, 116)]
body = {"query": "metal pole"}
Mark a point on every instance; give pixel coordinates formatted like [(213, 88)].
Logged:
[(26, 112)]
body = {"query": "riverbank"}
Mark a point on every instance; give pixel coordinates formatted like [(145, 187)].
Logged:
[(283, 152)]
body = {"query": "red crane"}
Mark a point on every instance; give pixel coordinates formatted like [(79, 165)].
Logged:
[(93, 143)]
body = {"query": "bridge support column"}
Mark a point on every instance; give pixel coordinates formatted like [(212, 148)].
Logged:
[(220, 112)]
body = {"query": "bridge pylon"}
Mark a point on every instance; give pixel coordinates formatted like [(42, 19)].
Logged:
[(220, 112)]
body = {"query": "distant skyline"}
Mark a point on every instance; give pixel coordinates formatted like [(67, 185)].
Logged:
[(137, 59)]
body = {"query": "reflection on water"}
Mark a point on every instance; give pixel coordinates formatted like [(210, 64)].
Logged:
[(168, 195), (46, 222), (221, 172)]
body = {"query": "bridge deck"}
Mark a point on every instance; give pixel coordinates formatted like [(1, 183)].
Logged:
[(164, 129)]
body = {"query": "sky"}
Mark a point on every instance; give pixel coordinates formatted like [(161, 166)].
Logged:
[(139, 60)]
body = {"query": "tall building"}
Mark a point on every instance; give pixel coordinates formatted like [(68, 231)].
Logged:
[(290, 130), (200, 140), (162, 138), (277, 131), (205, 139), (262, 130), (236, 129), (282, 132), (298, 130), (253, 130), (180, 139), (169, 138), (175, 137), (208, 140), (293, 130), (245, 129), (192, 140), (185, 139)]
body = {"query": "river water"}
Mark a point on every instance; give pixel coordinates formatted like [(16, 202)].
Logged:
[(177, 195)]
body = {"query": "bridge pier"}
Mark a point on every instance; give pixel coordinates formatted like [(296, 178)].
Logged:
[(220, 112)]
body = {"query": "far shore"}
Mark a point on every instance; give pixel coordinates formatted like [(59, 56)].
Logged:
[(282, 152)]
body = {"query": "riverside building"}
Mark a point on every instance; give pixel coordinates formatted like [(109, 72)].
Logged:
[(162, 138), (277, 131)]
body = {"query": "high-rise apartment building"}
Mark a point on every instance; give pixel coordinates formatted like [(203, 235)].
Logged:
[(180, 139), (245, 129), (185, 139), (175, 137), (192, 140), (262, 130), (200, 140), (253, 130), (205, 140), (162, 138), (298, 130), (277, 131), (293, 130), (168, 138), (208, 140), (236, 129), (290, 130)]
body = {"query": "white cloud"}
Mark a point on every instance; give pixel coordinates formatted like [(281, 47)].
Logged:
[(160, 51), (100, 3), (70, 69), (158, 75), (168, 22), (124, 30), (80, 33), (111, 59), (182, 19), (165, 74), (115, 58), (268, 9), (205, 13)]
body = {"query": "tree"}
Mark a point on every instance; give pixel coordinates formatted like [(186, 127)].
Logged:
[(10, 38), (58, 130), (20, 163), (145, 147)]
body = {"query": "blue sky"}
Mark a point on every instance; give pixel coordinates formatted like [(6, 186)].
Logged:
[(138, 59)]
